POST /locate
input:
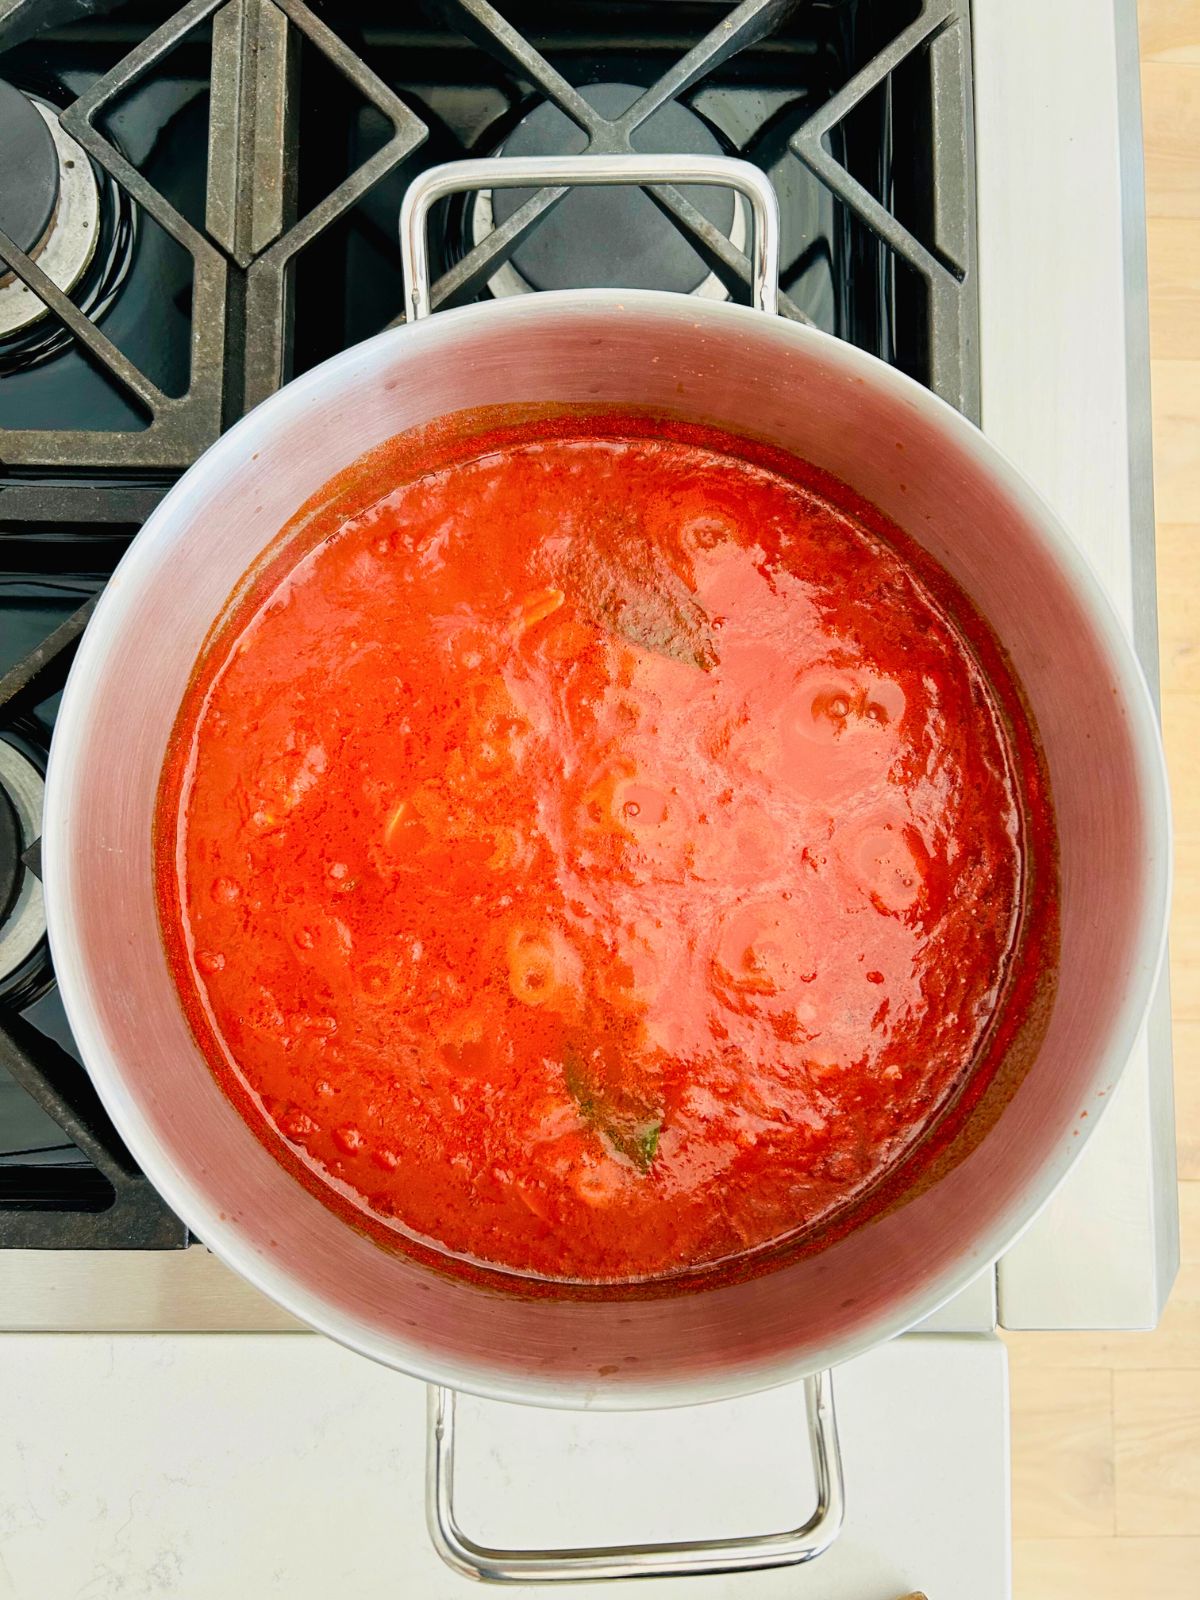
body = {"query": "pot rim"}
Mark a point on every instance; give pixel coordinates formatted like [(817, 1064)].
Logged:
[(107, 1074)]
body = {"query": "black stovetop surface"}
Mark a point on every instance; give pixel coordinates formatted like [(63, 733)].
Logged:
[(250, 157)]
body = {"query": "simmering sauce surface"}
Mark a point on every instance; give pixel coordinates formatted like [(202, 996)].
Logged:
[(601, 857)]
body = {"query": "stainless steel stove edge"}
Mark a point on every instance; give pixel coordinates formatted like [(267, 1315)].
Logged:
[(1065, 393), (191, 1291)]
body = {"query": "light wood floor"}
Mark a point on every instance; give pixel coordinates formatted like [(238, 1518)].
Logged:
[(1106, 1430)]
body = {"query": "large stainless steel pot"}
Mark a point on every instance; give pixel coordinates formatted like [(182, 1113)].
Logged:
[(893, 442)]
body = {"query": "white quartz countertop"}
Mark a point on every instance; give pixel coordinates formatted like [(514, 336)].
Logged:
[(208, 1467)]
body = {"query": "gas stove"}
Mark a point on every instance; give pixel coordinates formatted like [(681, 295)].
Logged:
[(199, 202), (202, 205)]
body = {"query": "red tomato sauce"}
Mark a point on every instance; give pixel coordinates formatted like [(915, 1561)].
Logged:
[(604, 855)]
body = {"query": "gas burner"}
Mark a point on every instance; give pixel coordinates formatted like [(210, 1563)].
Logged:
[(29, 171), (49, 203), (22, 913), (609, 237), (76, 223)]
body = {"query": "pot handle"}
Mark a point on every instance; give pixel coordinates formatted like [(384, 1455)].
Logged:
[(524, 172), (685, 1558)]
